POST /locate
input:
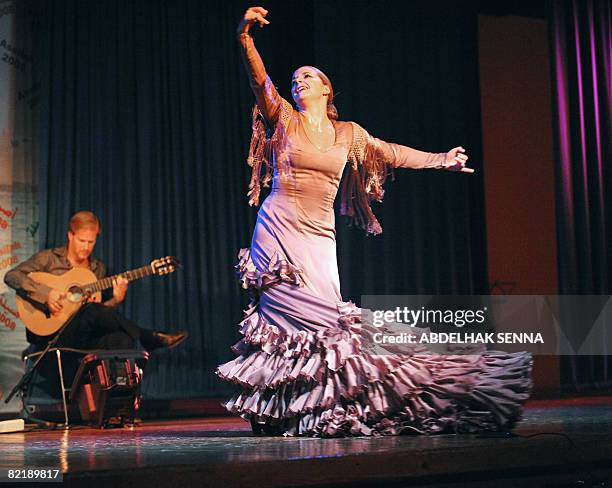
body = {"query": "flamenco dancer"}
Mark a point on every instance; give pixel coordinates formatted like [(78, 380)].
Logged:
[(300, 366)]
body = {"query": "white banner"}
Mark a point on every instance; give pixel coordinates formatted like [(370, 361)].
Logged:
[(18, 203)]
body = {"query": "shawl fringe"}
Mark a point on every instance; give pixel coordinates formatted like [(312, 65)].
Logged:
[(363, 181), (265, 145)]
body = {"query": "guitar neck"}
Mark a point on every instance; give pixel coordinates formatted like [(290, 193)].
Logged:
[(131, 275)]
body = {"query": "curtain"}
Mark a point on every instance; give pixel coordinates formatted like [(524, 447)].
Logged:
[(581, 40), (146, 121)]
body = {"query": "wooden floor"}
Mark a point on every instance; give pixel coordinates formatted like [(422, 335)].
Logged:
[(559, 444)]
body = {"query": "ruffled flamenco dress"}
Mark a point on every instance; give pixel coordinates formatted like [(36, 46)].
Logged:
[(301, 367)]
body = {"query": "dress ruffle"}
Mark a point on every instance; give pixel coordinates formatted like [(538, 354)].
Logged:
[(278, 270), (325, 384)]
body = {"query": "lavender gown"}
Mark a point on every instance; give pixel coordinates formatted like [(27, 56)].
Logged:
[(300, 365)]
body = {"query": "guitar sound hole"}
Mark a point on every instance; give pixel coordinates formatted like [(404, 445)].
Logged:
[(75, 294)]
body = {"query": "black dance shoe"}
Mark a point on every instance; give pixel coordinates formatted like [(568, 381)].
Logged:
[(256, 427), (265, 429), (157, 340)]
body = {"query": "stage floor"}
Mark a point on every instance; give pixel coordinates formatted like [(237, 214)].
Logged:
[(559, 444)]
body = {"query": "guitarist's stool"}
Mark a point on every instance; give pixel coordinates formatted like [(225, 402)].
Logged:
[(107, 387), (63, 373)]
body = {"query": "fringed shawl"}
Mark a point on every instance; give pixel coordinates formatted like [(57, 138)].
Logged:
[(265, 143), (362, 181)]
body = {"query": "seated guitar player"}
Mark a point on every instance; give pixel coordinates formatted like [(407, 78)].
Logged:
[(95, 325)]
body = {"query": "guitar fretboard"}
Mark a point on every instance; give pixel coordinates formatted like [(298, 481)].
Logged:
[(104, 283)]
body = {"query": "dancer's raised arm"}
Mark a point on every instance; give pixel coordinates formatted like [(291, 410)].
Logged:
[(268, 98)]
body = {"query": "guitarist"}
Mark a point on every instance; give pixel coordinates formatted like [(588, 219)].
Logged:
[(97, 325)]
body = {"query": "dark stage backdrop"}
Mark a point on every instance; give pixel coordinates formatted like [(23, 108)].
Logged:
[(581, 51), (146, 121)]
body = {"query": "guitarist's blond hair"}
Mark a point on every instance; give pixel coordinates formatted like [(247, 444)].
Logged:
[(84, 220)]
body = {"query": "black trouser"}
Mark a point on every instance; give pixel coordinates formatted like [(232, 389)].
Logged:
[(93, 327), (98, 327)]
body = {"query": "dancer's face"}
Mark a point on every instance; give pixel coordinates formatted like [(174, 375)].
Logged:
[(306, 83)]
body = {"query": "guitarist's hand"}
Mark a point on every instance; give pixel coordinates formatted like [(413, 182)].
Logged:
[(120, 285), (55, 301)]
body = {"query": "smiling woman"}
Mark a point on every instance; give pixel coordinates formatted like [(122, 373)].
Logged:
[(301, 366), (308, 86)]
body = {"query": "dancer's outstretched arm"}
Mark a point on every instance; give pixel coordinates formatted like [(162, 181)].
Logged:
[(400, 156)]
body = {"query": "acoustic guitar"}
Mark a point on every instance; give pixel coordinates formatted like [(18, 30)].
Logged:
[(79, 285)]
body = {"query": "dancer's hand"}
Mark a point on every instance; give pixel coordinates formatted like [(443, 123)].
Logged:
[(254, 15), (455, 160)]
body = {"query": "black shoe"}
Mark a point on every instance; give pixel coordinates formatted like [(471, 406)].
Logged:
[(265, 429), (257, 428), (159, 339)]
